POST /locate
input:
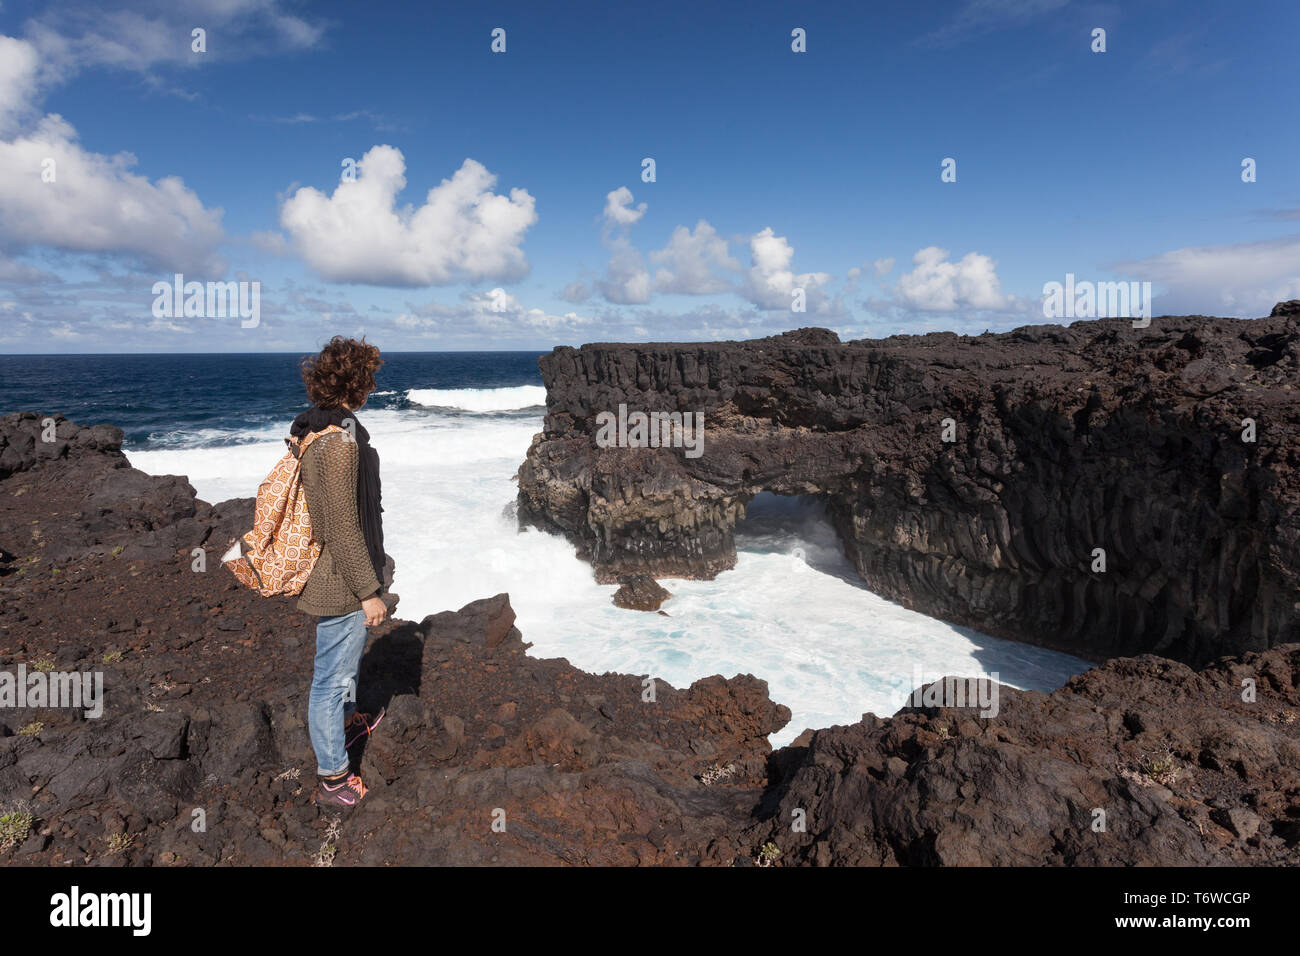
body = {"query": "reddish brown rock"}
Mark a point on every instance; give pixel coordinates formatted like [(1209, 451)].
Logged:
[(1139, 762), (640, 592), (206, 703)]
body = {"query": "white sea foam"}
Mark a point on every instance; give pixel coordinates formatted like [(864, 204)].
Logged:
[(792, 611), (479, 399), (187, 437)]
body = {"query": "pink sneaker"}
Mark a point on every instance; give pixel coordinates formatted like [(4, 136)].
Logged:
[(345, 794)]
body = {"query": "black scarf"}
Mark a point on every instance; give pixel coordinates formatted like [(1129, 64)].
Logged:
[(317, 419)]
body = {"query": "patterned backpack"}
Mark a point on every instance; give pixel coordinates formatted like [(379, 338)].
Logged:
[(277, 556)]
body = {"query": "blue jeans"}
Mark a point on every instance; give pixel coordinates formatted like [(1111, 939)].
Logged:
[(339, 643)]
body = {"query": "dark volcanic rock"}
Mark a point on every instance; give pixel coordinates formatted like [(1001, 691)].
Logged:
[(1063, 441), (640, 592), (1139, 762), (202, 754), (489, 756), (28, 438), (86, 498)]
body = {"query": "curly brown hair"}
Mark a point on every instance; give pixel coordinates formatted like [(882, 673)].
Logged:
[(343, 373)]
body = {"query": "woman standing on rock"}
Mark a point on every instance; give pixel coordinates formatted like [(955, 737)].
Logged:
[(340, 479)]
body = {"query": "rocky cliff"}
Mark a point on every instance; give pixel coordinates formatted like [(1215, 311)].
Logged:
[(1097, 489), (490, 756), (1138, 761)]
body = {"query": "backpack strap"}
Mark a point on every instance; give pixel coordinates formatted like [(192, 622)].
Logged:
[(297, 446)]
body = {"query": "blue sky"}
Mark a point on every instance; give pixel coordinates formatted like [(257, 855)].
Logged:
[(775, 170)]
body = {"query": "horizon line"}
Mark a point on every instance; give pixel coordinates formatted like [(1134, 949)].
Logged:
[(306, 352)]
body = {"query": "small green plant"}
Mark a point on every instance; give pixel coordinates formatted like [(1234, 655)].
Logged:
[(112, 657), (55, 571), (1161, 766), (43, 664), (32, 729), (15, 827), (118, 550), (768, 854), (120, 842), (325, 855)]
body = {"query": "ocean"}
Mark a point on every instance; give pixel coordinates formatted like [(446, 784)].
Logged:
[(452, 429)]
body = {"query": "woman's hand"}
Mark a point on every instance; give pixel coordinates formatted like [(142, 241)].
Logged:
[(376, 610)]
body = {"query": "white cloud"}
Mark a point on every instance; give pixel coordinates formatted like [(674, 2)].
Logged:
[(937, 285), (408, 321), (689, 259), (879, 268), (690, 262), (463, 231), (138, 35), (707, 322), (770, 282), (575, 291), (494, 312), (95, 203), (1244, 279), (64, 332), (11, 271), (540, 319), (618, 208), (628, 280), (302, 118), (495, 300), (19, 63)]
